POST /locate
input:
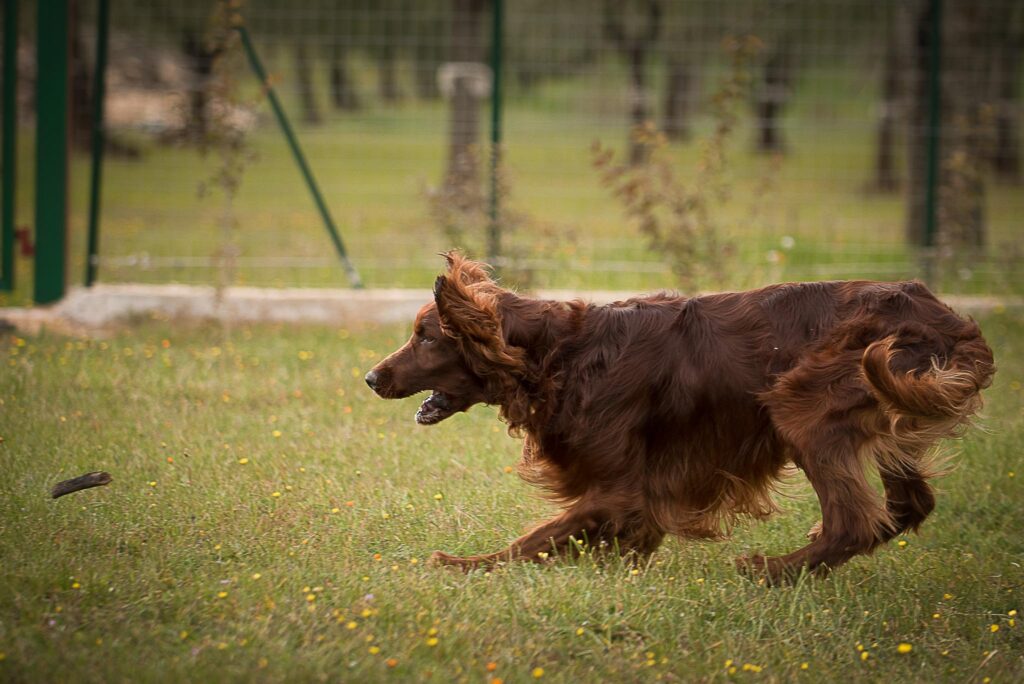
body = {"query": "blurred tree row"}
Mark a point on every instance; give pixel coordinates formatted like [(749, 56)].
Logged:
[(352, 54)]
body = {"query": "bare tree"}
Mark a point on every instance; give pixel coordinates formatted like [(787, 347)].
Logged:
[(967, 131), (200, 57), (1009, 53), (634, 43), (343, 90), (304, 82), (772, 95), (680, 90), (388, 29), (886, 177), (429, 31), (81, 81)]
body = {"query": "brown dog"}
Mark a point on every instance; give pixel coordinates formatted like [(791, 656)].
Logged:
[(666, 414)]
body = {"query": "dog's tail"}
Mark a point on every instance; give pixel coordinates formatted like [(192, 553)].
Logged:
[(934, 399)]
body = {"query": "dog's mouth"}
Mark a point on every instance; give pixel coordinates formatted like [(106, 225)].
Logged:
[(435, 408)]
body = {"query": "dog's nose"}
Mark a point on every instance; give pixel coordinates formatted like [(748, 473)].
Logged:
[(371, 379)]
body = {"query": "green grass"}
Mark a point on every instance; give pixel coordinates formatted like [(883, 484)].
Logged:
[(189, 567)]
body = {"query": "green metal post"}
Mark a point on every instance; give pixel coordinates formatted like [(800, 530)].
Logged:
[(934, 125), (10, 143), (51, 149), (300, 159), (497, 49), (98, 141)]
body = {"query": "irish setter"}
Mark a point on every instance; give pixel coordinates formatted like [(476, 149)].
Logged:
[(667, 414)]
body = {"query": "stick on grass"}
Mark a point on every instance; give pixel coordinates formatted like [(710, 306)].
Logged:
[(81, 482)]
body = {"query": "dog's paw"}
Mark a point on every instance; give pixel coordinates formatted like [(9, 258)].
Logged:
[(772, 572), (440, 559), (815, 531), (750, 566)]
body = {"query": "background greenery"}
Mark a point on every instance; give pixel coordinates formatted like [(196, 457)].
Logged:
[(805, 213)]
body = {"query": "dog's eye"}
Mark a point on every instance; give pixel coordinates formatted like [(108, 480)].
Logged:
[(426, 339)]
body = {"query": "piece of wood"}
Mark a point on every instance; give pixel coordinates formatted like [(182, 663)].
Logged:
[(81, 482)]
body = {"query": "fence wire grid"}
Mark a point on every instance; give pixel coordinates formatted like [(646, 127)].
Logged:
[(693, 144)]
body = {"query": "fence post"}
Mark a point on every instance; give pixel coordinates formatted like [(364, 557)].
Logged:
[(51, 150), (99, 92), (934, 138), (10, 144), (497, 48), (300, 159)]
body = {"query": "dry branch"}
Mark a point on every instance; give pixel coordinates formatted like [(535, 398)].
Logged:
[(81, 482)]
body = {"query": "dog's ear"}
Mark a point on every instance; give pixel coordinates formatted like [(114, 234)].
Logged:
[(466, 270), (470, 313), (467, 310)]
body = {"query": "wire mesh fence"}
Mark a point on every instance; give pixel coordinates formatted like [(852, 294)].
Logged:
[(700, 144)]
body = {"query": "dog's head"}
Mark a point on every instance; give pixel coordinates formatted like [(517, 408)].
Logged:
[(457, 350)]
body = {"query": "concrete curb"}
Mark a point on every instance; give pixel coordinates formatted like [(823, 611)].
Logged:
[(105, 305)]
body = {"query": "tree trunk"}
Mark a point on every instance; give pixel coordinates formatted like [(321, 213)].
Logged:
[(81, 83), (634, 48), (772, 97), (304, 81), (1006, 153), (464, 118), (427, 61), (678, 99), (387, 75), (343, 92), (965, 136), (200, 59), (916, 28), (639, 113), (968, 83), (886, 178)]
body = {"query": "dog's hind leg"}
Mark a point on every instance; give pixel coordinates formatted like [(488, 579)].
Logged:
[(854, 520), (908, 497)]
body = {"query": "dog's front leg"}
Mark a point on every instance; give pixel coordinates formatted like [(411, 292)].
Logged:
[(548, 538)]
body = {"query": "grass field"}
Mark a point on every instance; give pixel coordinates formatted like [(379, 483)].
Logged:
[(270, 519)]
